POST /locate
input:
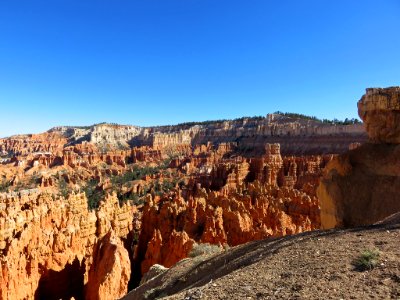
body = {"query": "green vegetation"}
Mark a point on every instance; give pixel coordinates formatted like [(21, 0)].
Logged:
[(209, 122), (241, 119), (34, 180), (138, 172), (325, 121), (367, 260), (120, 184), (133, 198), (6, 155), (63, 187), (335, 121), (134, 174), (340, 122), (156, 188), (93, 194), (165, 186), (204, 249), (297, 116), (4, 185)]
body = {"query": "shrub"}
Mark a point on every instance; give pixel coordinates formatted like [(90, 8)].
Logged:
[(132, 198), (137, 172), (367, 260), (63, 187), (204, 249), (93, 195), (4, 185), (335, 121), (160, 188)]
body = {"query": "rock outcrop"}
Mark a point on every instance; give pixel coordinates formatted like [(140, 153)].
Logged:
[(86, 211), (241, 204), (153, 272), (361, 186), (52, 248), (380, 110), (34, 143), (110, 271), (295, 135), (173, 225)]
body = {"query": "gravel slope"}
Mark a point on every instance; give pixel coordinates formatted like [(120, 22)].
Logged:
[(313, 265)]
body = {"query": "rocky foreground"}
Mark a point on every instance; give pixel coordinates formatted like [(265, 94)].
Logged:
[(87, 211), (312, 265)]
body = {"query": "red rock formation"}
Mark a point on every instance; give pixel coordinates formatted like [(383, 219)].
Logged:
[(146, 154), (216, 183), (44, 239), (296, 135), (361, 186), (233, 210), (172, 225), (25, 144), (380, 111), (110, 271), (74, 157)]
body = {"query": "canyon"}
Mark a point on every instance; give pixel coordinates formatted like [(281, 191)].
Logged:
[(356, 200), (86, 211)]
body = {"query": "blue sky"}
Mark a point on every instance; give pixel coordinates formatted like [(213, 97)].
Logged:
[(153, 62)]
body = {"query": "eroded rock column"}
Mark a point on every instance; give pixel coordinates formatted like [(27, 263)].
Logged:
[(361, 187)]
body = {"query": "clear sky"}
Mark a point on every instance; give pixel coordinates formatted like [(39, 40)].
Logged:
[(155, 62)]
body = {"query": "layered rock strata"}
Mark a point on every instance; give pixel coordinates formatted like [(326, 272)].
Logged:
[(270, 196), (219, 182), (222, 198), (379, 109), (296, 136)]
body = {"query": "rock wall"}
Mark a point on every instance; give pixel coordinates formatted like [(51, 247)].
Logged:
[(223, 182), (380, 110), (360, 187), (232, 203), (296, 136), (173, 225), (25, 144), (56, 248)]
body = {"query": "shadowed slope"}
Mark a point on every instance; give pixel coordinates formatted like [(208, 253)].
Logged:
[(309, 265)]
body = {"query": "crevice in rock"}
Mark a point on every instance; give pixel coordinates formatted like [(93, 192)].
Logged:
[(63, 284), (130, 243)]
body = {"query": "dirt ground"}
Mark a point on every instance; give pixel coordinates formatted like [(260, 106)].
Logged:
[(313, 265)]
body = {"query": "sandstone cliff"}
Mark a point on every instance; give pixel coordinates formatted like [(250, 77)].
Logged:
[(380, 110), (56, 248), (296, 135), (202, 194), (360, 187), (24, 144), (86, 211), (270, 196)]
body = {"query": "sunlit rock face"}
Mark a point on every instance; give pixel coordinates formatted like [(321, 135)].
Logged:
[(86, 211), (361, 186), (50, 247), (270, 196), (379, 108)]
